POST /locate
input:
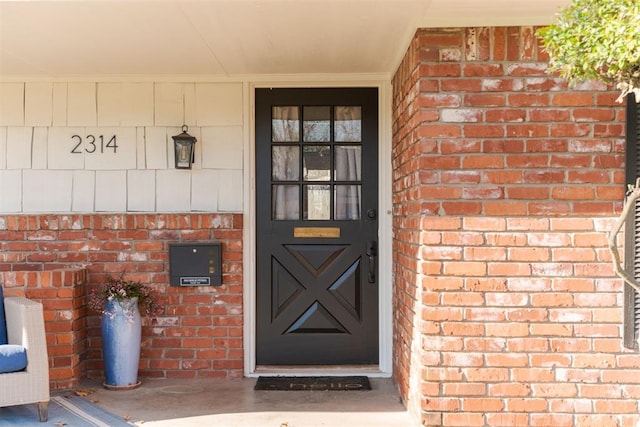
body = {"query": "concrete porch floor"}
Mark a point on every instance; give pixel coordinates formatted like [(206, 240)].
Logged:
[(234, 403)]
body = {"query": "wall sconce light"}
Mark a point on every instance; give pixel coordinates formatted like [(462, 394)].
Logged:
[(183, 145)]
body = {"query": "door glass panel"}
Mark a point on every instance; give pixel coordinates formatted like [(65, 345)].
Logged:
[(285, 163), (348, 124), (348, 162), (317, 202), (317, 163), (347, 200), (285, 202), (285, 124), (317, 124)]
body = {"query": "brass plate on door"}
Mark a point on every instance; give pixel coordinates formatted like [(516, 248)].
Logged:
[(315, 232)]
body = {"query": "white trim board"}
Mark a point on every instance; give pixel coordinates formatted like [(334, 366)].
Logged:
[(385, 366), (264, 80)]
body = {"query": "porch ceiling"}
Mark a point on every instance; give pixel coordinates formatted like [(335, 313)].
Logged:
[(233, 37)]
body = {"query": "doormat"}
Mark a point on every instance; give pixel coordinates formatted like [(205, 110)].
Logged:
[(64, 410), (313, 383)]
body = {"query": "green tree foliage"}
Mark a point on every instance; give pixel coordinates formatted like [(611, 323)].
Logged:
[(597, 39)]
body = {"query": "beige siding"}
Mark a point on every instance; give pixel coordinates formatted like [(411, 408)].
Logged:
[(57, 138)]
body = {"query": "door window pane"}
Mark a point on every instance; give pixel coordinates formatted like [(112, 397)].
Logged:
[(317, 202), (285, 124), (285, 202), (348, 124), (347, 200), (317, 163), (285, 163), (317, 126), (348, 162)]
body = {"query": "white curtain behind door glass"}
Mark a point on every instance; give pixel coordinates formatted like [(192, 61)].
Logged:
[(348, 128), (285, 204), (348, 124), (285, 163), (285, 198), (285, 124), (348, 159), (347, 168), (285, 166)]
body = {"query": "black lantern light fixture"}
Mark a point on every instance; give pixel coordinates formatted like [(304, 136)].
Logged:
[(183, 145)]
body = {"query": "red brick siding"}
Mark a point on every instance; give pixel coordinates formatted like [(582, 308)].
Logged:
[(505, 182), (200, 333), (62, 293), (500, 137)]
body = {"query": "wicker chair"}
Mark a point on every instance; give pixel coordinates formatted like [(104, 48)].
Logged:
[(25, 327)]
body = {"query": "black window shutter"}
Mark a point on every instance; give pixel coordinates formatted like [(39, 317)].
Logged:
[(632, 230)]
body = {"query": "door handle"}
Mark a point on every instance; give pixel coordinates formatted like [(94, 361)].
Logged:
[(372, 252)]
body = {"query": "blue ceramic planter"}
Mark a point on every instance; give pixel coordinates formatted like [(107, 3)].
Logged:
[(121, 332)]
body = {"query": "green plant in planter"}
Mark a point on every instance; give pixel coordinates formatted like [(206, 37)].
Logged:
[(119, 289), (597, 39)]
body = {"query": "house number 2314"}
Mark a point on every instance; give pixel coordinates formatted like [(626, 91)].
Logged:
[(94, 144)]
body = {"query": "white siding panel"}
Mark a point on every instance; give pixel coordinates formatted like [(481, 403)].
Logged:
[(62, 142), (42, 123), (109, 104), (171, 150), (11, 104), (197, 148), (81, 104), (156, 147), (47, 191), (38, 104), (137, 104), (218, 104), (40, 142), (111, 191), (141, 190), (3, 148), (222, 147), (141, 155), (169, 104), (59, 104), (19, 147), (173, 191), (190, 116), (103, 152), (230, 191), (84, 185), (204, 190), (10, 191)]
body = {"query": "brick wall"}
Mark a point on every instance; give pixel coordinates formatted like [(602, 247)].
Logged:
[(62, 294), (506, 310), (200, 333)]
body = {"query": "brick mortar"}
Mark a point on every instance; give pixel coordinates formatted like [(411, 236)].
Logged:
[(62, 294), (200, 333), (505, 182), (529, 344)]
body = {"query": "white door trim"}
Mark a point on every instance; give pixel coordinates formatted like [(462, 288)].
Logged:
[(384, 368)]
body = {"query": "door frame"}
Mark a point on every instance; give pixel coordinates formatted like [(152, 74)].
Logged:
[(385, 218)]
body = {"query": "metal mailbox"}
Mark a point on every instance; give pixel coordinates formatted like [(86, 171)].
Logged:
[(195, 264)]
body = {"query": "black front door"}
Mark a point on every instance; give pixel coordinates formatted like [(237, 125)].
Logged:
[(317, 226)]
